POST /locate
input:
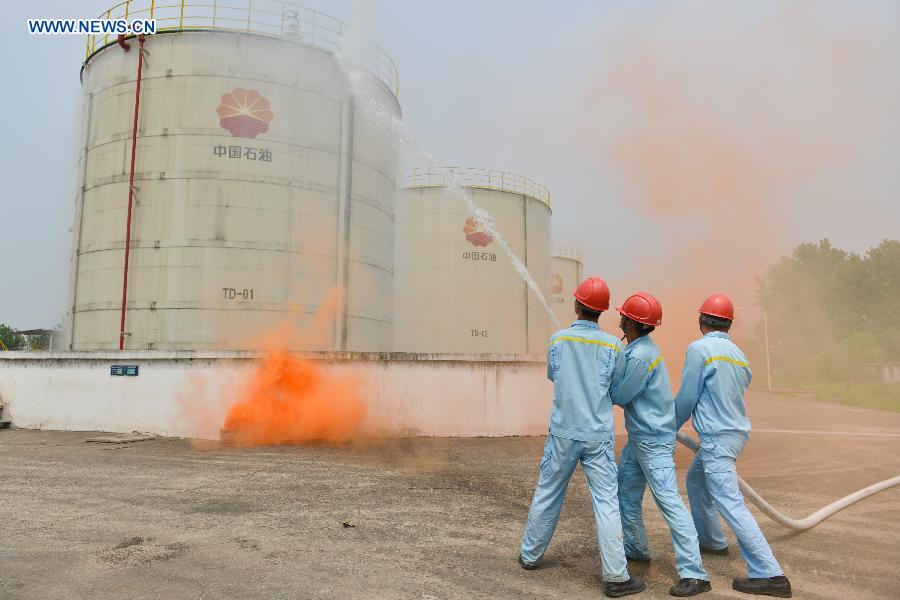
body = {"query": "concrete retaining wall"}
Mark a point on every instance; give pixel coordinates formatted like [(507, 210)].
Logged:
[(188, 393)]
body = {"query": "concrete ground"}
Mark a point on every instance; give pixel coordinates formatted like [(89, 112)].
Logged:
[(418, 518)]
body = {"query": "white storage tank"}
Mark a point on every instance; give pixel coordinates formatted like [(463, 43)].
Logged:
[(261, 197), (566, 272), (456, 290)]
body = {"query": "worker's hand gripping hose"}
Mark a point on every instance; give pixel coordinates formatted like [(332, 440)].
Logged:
[(813, 519)]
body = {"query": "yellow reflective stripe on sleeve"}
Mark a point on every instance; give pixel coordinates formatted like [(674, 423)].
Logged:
[(578, 340), (712, 359), (654, 364)]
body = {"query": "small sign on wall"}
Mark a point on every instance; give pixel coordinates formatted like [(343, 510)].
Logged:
[(123, 371)]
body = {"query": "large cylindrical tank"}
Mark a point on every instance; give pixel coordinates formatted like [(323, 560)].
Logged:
[(565, 275), (262, 197), (456, 290)]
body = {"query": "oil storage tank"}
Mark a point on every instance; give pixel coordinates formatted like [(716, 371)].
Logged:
[(566, 271), (261, 196), (456, 290)]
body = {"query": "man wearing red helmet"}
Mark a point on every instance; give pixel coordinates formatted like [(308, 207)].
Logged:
[(648, 457), (582, 362), (715, 376)]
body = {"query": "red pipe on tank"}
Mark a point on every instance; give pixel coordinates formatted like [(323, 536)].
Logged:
[(137, 104)]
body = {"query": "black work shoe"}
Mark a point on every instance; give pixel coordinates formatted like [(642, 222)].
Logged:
[(690, 587), (525, 565), (719, 551), (637, 559), (779, 586), (617, 589)]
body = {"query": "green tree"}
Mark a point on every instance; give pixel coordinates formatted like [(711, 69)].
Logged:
[(801, 294), (881, 305), (12, 339), (830, 311), (39, 343)]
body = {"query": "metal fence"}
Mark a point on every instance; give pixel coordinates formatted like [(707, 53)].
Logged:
[(488, 179), (272, 18)]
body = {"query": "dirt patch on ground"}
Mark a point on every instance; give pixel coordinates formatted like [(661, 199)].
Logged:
[(430, 518)]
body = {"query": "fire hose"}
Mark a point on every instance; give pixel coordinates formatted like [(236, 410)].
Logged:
[(813, 519)]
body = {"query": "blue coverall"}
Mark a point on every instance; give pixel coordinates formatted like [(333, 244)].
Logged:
[(582, 362), (715, 376), (648, 457)]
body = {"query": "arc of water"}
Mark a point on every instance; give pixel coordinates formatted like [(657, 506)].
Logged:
[(401, 135)]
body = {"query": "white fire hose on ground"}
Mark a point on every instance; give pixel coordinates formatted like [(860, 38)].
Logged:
[(813, 519)]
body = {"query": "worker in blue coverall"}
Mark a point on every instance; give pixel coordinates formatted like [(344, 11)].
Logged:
[(583, 362), (715, 376), (649, 455)]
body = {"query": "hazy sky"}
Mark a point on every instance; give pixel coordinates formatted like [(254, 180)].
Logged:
[(541, 89)]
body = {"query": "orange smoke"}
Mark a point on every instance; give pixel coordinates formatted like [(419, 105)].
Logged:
[(722, 125), (289, 400), (284, 398)]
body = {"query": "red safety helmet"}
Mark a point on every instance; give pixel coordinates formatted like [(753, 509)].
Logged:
[(643, 308), (718, 305), (593, 293)]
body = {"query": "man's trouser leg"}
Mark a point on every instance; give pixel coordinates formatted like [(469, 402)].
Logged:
[(598, 459), (631, 498), (719, 458), (658, 463), (560, 458), (703, 508)]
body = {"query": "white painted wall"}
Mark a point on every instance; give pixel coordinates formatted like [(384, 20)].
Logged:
[(188, 393)]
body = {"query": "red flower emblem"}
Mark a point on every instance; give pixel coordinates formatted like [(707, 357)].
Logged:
[(556, 284), (244, 113), (475, 233)]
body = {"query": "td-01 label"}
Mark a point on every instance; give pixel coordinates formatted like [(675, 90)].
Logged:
[(236, 294)]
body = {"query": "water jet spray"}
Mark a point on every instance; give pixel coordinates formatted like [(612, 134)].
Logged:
[(401, 135)]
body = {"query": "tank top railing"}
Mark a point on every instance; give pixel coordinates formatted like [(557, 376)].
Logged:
[(488, 179), (272, 18), (562, 251)]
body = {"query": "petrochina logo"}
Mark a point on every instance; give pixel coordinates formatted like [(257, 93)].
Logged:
[(475, 233), (244, 113), (556, 284)]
